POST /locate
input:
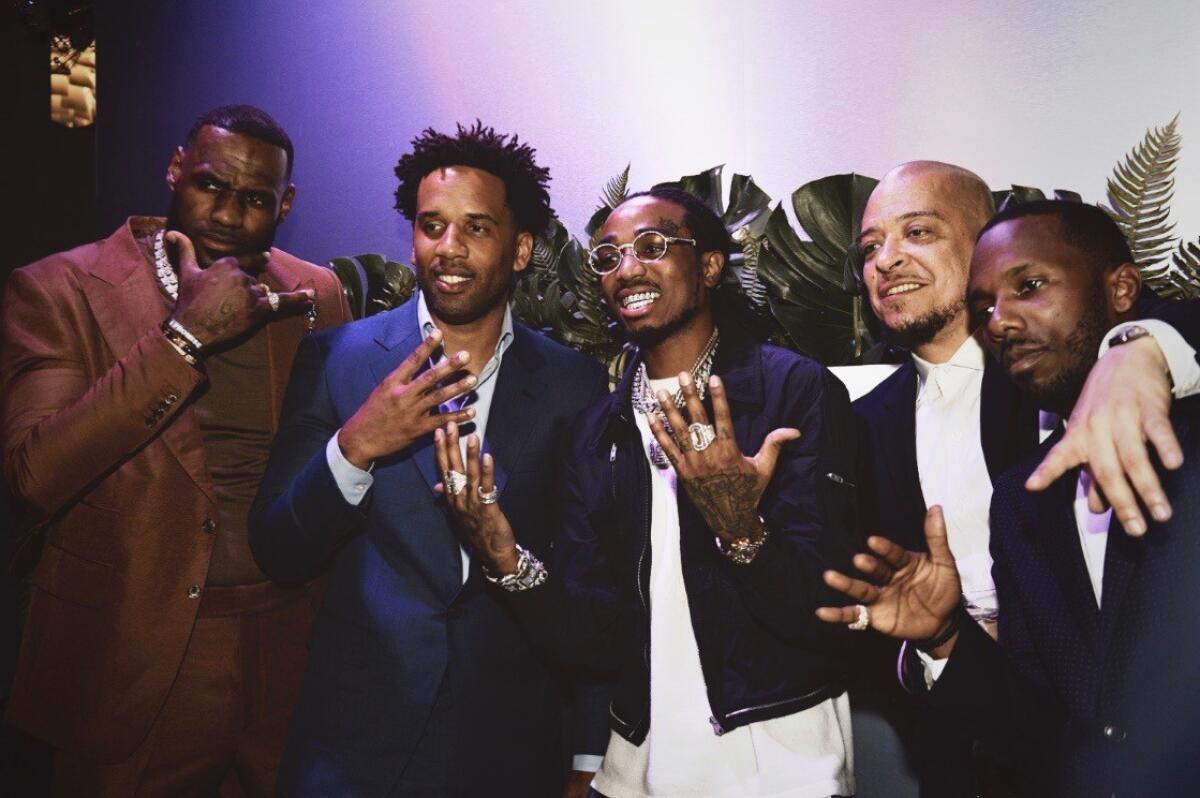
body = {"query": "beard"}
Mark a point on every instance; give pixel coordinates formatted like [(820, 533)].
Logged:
[(923, 329), (652, 336), (1060, 391)]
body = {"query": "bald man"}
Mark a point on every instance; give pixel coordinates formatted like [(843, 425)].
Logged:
[(949, 422)]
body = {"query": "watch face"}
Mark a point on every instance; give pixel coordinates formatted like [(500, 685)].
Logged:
[(1131, 333)]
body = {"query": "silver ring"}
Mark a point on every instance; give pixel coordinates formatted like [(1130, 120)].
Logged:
[(455, 481), (488, 496), (701, 436), (864, 619), (273, 301)]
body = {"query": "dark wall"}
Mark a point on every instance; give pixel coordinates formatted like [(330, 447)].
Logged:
[(47, 171), (163, 64)]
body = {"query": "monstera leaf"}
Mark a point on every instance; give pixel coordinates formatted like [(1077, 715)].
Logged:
[(807, 280), (1140, 192), (373, 284)]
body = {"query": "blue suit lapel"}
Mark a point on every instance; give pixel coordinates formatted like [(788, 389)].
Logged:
[(519, 386), (1060, 542), (397, 339)]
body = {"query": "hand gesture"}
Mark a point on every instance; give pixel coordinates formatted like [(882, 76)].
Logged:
[(221, 302), (1125, 402), (481, 522), (401, 408), (912, 595), (724, 484)]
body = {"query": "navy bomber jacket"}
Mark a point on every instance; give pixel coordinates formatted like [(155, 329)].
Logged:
[(763, 652)]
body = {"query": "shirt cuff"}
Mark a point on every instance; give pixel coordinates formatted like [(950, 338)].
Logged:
[(351, 480), (1180, 356), (588, 763), (933, 667)]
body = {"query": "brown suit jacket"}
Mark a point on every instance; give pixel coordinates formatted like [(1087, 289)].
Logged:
[(102, 449)]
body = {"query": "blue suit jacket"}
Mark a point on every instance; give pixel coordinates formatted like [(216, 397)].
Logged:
[(397, 618)]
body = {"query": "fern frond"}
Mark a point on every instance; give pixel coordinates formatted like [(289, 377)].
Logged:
[(616, 188), (1140, 192)]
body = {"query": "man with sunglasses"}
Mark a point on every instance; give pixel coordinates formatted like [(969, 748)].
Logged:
[(683, 566)]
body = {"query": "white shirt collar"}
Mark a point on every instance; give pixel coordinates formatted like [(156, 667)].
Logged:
[(970, 355), (426, 324)]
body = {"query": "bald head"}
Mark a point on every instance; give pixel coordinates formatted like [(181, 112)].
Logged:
[(955, 185), (918, 230)]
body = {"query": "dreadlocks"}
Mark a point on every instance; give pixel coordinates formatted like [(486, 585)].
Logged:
[(525, 183)]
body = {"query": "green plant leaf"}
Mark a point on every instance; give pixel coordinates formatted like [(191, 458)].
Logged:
[(373, 284), (706, 185)]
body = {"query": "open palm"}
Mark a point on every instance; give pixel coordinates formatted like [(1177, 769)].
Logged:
[(910, 595)]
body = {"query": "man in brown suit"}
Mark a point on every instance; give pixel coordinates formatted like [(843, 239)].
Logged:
[(143, 377)]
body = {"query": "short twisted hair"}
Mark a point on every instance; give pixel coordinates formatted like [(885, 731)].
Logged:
[(502, 155)]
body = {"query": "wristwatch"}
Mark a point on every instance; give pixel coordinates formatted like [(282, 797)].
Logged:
[(1127, 334)]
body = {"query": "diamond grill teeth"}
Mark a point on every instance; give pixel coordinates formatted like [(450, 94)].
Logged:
[(634, 301)]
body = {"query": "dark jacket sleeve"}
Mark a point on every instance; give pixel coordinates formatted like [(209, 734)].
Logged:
[(811, 509), (299, 516), (998, 691), (577, 615), (1183, 315)]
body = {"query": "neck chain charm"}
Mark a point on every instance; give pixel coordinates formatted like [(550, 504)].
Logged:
[(164, 270), (645, 402)]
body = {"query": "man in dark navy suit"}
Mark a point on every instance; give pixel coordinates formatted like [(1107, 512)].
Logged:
[(419, 682), (949, 422), (1091, 689)]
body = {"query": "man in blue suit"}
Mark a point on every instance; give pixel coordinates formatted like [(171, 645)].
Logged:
[(419, 682)]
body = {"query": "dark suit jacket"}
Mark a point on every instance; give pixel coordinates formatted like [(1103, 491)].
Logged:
[(103, 451), (946, 762), (1089, 701), (397, 618)]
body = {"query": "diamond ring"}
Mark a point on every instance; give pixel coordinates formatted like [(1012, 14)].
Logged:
[(864, 619), (488, 496), (701, 436), (455, 482)]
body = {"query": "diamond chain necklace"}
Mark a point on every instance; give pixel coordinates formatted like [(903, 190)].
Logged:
[(643, 397)]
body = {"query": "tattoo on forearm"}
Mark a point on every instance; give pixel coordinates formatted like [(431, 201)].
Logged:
[(728, 500)]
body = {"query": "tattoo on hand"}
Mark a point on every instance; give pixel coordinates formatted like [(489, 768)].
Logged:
[(728, 500)]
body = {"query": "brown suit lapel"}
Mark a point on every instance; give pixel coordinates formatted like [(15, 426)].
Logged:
[(126, 301), (284, 335)]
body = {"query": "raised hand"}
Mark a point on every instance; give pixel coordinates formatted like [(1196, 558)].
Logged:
[(221, 302), (910, 595), (481, 523), (724, 484), (401, 408), (1125, 402)]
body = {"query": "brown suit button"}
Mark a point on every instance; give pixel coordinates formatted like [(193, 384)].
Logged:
[(209, 526), (171, 399), (194, 592)]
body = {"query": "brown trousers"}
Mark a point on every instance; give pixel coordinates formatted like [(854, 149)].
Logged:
[(224, 723)]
